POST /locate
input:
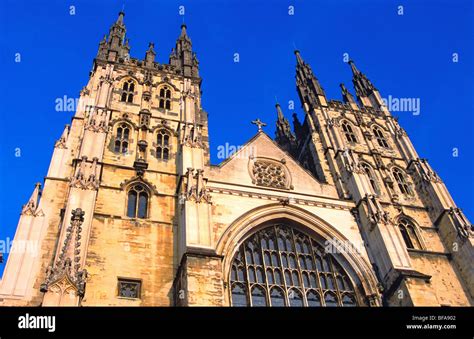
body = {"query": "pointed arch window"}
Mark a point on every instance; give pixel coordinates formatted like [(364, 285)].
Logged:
[(128, 89), (165, 98), (282, 266), (402, 182), (371, 176), (409, 234), (379, 135), (163, 144), (122, 138), (137, 204), (348, 132)]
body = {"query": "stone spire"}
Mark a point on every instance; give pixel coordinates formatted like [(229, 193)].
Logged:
[(183, 57), (362, 84), (283, 135), (367, 94), (115, 46), (347, 97), (308, 86)]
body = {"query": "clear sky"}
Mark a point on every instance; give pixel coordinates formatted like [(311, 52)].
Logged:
[(405, 56)]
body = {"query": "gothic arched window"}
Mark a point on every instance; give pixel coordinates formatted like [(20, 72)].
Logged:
[(348, 132), (380, 137), (137, 204), (165, 98), (128, 89), (409, 234), (371, 175), (122, 138), (401, 181), (163, 144), (282, 266)]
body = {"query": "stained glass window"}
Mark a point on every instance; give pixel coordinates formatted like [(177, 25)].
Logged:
[(295, 271)]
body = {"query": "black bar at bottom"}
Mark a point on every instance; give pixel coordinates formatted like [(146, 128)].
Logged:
[(240, 322)]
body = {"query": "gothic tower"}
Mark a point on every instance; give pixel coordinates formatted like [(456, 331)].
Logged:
[(419, 242), (139, 134)]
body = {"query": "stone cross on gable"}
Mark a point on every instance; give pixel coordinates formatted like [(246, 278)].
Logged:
[(259, 123)]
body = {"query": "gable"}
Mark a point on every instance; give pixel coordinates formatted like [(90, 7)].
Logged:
[(261, 163)]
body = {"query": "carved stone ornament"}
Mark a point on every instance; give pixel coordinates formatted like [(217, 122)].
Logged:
[(193, 136), (375, 211), (195, 187), (31, 207), (98, 121), (67, 270), (465, 229), (426, 172), (270, 174), (61, 142), (351, 163), (86, 176)]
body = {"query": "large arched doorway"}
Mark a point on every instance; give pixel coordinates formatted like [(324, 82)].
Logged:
[(281, 265)]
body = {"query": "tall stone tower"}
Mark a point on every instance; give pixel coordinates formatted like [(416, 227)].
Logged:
[(419, 242), (109, 201)]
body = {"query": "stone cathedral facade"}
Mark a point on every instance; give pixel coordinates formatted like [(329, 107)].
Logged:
[(339, 211)]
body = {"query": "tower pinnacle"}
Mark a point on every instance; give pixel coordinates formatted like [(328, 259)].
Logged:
[(283, 135), (362, 84), (183, 57), (113, 48), (309, 89)]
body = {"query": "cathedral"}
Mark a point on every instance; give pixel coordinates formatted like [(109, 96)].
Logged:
[(339, 210)]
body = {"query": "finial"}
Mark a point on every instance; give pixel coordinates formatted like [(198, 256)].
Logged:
[(353, 66), (259, 124), (298, 56), (184, 33), (120, 17), (279, 112), (31, 205)]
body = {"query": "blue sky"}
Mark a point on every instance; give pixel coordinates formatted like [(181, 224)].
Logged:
[(405, 56)]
